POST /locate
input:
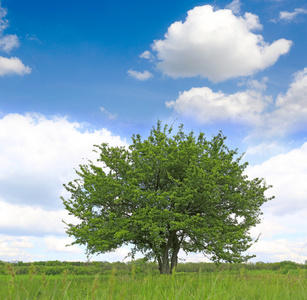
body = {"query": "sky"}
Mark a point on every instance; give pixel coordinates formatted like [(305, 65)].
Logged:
[(75, 74)]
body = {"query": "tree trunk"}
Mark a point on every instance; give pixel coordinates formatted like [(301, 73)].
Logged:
[(160, 264), (174, 258), (176, 248), (163, 262), (173, 244)]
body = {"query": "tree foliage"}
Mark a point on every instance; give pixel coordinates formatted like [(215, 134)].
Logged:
[(166, 193)]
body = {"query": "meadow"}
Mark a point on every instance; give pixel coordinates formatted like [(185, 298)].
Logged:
[(137, 282)]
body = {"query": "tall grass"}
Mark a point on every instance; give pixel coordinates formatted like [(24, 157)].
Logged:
[(219, 285)]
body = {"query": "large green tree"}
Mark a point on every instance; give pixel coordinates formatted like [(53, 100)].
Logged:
[(166, 193)]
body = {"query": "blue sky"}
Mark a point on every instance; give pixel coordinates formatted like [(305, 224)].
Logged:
[(74, 74)]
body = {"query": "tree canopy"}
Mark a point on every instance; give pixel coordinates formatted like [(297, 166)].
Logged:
[(166, 193)]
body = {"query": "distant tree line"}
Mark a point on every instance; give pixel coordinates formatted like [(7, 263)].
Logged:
[(137, 267)]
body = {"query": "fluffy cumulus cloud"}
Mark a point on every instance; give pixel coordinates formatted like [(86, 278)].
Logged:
[(140, 75), (291, 108), (208, 106), (39, 154), (269, 117), (289, 113), (284, 218), (12, 65), (288, 175), (217, 45)]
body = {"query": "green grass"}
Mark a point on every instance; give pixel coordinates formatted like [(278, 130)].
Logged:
[(219, 285)]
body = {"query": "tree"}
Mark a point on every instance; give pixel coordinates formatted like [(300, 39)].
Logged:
[(164, 194)]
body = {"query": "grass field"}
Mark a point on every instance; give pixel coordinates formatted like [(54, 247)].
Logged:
[(218, 285)]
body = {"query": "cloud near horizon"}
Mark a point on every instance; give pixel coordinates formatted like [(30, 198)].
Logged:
[(32, 221), (15, 247), (288, 175), (36, 146), (217, 45), (39, 154), (59, 244), (286, 214)]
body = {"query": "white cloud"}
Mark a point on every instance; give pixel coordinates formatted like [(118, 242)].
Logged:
[(8, 42), (255, 84), (3, 22), (287, 114), (267, 148), (284, 218), (31, 220), (234, 6), (208, 106), (216, 45), (277, 226), (288, 175), (294, 101), (60, 245), (110, 115), (290, 16), (19, 242), (147, 55), (140, 75), (38, 155), (290, 111), (280, 250), (268, 228), (14, 247), (13, 65)]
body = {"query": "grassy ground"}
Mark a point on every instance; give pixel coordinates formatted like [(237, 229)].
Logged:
[(222, 285)]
